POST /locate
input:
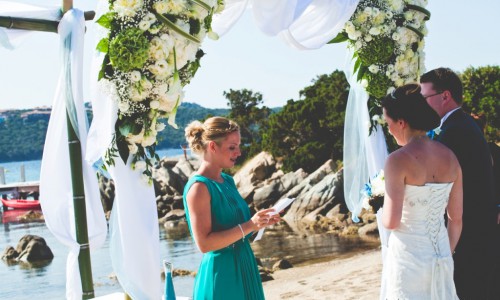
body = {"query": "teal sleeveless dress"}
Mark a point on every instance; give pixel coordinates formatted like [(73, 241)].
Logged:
[(230, 272)]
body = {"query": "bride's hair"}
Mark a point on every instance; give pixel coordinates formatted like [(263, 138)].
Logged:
[(213, 129), (406, 103)]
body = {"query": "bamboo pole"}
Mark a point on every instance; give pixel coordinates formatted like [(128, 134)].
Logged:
[(80, 211), (36, 24)]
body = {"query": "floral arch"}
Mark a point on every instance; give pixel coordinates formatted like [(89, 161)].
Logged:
[(150, 49)]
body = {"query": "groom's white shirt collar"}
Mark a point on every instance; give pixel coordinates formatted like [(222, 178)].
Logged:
[(447, 115)]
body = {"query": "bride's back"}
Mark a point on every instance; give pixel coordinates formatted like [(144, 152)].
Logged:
[(427, 161)]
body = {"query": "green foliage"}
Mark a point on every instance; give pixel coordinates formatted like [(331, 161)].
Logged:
[(22, 135), (244, 110), (482, 96), (307, 132)]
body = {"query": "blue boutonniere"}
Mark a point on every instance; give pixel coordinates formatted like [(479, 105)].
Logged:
[(432, 134)]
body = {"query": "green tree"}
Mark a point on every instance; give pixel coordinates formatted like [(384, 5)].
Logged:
[(482, 96), (244, 110), (307, 132)]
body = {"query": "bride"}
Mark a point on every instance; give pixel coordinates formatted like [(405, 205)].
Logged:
[(423, 181)]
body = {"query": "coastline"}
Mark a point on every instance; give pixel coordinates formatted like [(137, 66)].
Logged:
[(355, 277)]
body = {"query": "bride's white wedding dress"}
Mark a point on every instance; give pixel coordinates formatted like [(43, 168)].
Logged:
[(419, 263)]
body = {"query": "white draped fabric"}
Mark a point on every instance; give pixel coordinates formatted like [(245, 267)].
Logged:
[(134, 231), (56, 192), (11, 38), (364, 153), (56, 195), (301, 24)]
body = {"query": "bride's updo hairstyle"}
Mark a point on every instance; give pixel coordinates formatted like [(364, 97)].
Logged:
[(406, 103), (216, 129)]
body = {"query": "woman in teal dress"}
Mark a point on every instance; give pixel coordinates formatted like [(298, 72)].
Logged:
[(218, 217)]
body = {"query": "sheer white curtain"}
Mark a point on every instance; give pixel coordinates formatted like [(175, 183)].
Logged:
[(134, 230), (364, 153), (56, 195), (301, 24)]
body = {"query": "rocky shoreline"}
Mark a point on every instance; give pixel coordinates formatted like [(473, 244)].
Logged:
[(319, 206)]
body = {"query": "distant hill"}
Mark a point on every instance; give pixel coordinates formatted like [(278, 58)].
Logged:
[(22, 132)]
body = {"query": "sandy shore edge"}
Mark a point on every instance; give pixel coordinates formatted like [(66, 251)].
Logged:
[(356, 277)]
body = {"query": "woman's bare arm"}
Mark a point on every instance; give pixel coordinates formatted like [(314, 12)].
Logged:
[(198, 201)]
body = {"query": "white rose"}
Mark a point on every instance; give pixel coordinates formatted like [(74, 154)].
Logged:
[(123, 106), (358, 45), (135, 76), (368, 10), (368, 38)]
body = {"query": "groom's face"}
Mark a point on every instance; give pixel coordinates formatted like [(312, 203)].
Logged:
[(434, 98)]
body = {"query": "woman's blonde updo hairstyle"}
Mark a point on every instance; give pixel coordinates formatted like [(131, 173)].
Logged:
[(213, 129)]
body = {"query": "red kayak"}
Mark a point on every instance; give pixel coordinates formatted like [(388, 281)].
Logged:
[(21, 204)]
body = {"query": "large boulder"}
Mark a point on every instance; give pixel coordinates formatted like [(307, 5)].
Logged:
[(274, 189), (259, 168), (30, 248), (317, 199)]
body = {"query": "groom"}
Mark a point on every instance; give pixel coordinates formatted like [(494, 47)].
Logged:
[(476, 250)]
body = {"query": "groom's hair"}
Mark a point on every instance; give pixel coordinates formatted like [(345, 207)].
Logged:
[(406, 103), (444, 79)]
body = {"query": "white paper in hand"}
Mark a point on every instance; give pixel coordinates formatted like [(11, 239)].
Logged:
[(278, 207)]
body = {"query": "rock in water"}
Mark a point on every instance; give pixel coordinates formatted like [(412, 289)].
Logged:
[(33, 248)]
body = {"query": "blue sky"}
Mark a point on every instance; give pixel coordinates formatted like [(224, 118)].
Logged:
[(461, 34)]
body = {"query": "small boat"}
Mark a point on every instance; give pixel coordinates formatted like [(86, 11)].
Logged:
[(20, 204)]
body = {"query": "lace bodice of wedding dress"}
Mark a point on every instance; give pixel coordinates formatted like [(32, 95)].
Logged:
[(419, 264)]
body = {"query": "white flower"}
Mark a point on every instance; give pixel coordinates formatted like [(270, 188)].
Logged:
[(123, 106), (127, 8), (135, 139), (140, 165), (144, 25), (177, 6), (375, 31), (368, 38), (378, 184), (391, 89), (149, 140), (408, 15), (437, 131), (364, 83), (161, 7), (212, 35), (135, 76), (151, 18), (154, 104), (160, 127), (374, 69)]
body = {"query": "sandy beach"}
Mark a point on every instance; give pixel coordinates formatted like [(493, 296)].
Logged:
[(356, 277)]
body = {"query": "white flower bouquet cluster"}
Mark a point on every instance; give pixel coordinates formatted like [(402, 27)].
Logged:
[(387, 38), (374, 192), (152, 50)]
